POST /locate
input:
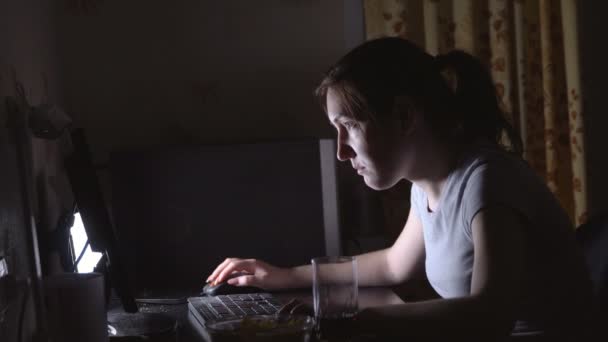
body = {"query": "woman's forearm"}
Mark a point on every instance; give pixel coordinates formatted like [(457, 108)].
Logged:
[(299, 277), (371, 269)]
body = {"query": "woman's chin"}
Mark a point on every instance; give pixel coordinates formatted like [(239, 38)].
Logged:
[(376, 184)]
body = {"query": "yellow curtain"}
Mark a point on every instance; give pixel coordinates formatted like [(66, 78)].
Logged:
[(531, 48)]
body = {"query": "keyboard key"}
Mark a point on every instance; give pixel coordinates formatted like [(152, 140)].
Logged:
[(269, 308), (249, 311), (222, 310), (274, 303), (240, 305)]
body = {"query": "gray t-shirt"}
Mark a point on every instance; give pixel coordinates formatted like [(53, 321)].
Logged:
[(490, 177)]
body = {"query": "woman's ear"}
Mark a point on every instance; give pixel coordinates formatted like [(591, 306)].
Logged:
[(405, 113)]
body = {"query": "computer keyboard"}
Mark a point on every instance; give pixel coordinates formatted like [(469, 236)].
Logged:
[(237, 305)]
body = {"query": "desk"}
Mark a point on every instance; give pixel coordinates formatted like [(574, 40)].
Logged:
[(187, 332)]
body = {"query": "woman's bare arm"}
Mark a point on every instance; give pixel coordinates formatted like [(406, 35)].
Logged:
[(495, 288), (396, 264)]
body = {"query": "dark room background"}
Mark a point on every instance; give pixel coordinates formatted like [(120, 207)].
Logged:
[(144, 73)]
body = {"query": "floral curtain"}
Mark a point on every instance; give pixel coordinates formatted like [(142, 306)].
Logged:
[(531, 48)]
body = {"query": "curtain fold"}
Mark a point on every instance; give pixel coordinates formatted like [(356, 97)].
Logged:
[(531, 48), (575, 107)]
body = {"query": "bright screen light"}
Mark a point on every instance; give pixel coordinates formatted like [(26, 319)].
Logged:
[(79, 238)]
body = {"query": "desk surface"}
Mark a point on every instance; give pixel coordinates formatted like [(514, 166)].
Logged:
[(368, 297)]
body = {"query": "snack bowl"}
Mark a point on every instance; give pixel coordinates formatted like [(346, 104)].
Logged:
[(261, 328)]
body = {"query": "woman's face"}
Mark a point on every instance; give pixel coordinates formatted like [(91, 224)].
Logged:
[(374, 150)]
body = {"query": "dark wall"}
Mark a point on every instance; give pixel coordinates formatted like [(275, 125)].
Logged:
[(28, 55), (141, 72)]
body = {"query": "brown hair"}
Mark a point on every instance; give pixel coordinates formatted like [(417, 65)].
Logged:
[(369, 79)]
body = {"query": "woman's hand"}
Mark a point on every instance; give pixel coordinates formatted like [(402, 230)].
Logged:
[(256, 273)]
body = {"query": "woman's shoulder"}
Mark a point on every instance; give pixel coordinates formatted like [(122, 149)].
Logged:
[(492, 175), (482, 160)]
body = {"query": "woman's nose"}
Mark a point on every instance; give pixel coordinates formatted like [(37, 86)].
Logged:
[(344, 152)]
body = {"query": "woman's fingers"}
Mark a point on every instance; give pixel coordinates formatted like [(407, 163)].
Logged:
[(228, 266), (257, 272), (244, 280), (219, 269), (235, 265)]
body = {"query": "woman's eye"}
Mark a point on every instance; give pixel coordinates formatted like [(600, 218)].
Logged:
[(350, 124)]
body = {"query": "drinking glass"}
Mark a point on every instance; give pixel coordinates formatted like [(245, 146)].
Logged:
[(335, 292)]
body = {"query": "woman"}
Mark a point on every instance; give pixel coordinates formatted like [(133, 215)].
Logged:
[(484, 229)]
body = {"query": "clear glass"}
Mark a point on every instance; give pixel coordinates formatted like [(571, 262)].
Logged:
[(335, 299)]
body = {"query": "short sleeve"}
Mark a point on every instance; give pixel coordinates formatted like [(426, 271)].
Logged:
[(493, 184)]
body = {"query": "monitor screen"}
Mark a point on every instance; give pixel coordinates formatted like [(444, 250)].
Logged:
[(183, 210), (94, 215)]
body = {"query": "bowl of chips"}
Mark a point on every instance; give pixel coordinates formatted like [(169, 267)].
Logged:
[(261, 328)]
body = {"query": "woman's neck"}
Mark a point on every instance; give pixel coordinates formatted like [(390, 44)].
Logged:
[(438, 161)]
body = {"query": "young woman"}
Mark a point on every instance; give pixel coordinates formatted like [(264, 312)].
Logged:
[(483, 228)]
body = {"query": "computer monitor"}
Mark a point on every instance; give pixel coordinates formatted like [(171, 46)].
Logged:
[(183, 209), (95, 217)]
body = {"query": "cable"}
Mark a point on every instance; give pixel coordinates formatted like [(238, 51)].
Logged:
[(84, 249)]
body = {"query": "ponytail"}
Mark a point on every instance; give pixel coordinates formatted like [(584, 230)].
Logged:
[(476, 101), (461, 107)]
